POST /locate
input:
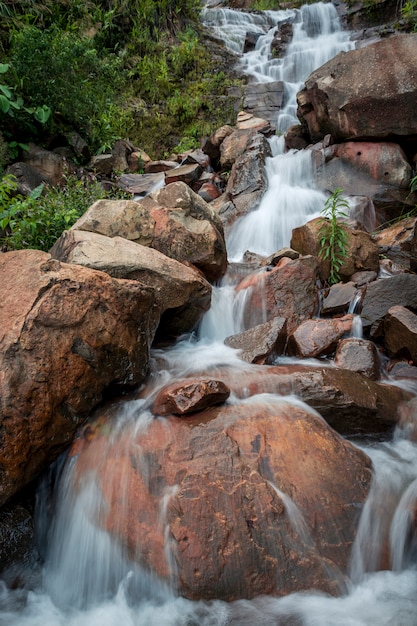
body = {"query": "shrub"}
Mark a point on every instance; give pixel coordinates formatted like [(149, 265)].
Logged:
[(333, 236)]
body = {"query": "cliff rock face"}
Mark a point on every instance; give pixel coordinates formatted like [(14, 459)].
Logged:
[(67, 334)]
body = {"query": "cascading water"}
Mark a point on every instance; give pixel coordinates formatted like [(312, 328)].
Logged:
[(88, 578)]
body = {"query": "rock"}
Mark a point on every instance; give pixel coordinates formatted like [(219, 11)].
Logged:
[(400, 333), (282, 37), (399, 243), (318, 337), (190, 396), (52, 167), (250, 41), (289, 290), (362, 253), (383, 294), (339, 298), (274, 258), (264, 101), (68, 334), (17, 538), (296, 138), (27, 177), (208, 191), (358, 355), (188, 229), (247, 121), (234, 145), (79, 146), (351, 403), (248, 181), (102, 164), (159, 166), (141, 184), (182, 295), (262, 343), (228, 523), (119, 218), (137, 160), (360, 279), (211, 146), (358, 94), (378, 170), (184, 173)]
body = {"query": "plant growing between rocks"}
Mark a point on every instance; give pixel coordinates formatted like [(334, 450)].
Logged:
[(332, 234)]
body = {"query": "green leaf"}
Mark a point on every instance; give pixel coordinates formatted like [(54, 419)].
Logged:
[(4, 104), (4, 67), (6, 91)]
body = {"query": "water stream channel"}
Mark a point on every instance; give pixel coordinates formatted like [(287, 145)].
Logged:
[(86, 579)]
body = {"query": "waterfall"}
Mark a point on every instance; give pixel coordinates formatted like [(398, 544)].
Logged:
[(91, 580)]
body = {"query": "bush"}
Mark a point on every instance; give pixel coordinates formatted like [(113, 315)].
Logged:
[(38, 221), (65, 72)]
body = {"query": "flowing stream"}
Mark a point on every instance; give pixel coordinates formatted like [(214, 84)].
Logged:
[(87, 580)]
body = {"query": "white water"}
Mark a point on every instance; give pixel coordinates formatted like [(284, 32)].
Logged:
[(87, 579)]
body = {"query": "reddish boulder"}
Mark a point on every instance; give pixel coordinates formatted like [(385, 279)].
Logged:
[(288, 290), (188, 174), (318, 336), (223, 508), (358, 94), (362, 253), (67, 334), (190, 396), (339, 298)]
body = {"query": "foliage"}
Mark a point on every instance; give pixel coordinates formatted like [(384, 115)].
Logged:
[(38, 220), (332, 234), (67, 73), (409, 13)]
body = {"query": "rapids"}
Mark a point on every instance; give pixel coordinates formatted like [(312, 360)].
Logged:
[(86, 579)]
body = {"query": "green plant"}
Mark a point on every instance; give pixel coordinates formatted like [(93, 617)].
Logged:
[(332, 234), (38, 220), (409, 13)]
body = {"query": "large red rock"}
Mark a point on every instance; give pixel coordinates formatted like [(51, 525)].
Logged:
[(359, 94), (261, 344), (190, 396), (288, 290), (361, 251), (67, 334), (223, 507), (383, 294), (398, 242), (400, 333)]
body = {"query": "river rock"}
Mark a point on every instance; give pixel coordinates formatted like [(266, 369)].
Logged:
[(377, 170), (362, 252), (215, 518), (68, 334), (248, 181), (182, 295), (288, 290), (400, 333), (398, 242), (318, 337), (359, 94), (339, 298), (190, 396), (211, 146), (358, 355), (383, 294), (262, 343), (188, 174), (51, 166)]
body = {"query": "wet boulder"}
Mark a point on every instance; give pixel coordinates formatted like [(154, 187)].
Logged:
[(318, 337), (339, 298), (230, 511), (261, 344), (288, 290), (67, 335), (190, 396), (358, 94), (182, 295)]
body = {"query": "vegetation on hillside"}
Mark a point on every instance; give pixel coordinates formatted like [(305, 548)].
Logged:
[(108, 69)]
